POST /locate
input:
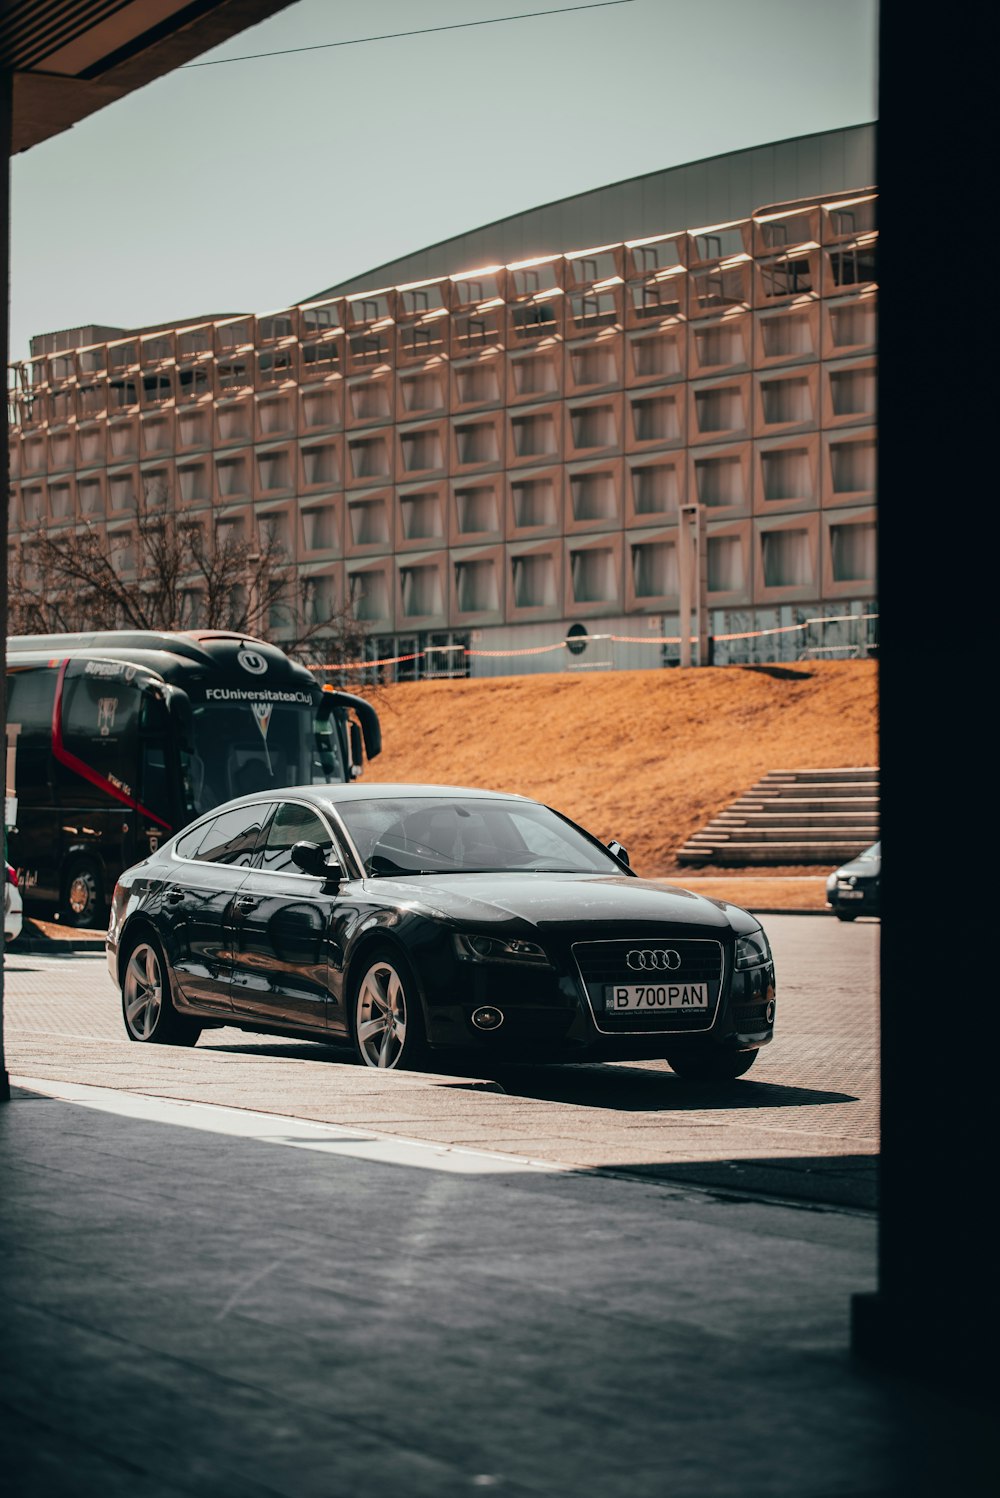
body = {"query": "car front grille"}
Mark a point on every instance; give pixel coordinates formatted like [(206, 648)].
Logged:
[(749, 1017), (601, 963)]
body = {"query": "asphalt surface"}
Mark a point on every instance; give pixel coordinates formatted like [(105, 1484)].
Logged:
[(258, 1268)]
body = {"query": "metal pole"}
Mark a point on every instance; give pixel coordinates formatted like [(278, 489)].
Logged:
[(6, 111)]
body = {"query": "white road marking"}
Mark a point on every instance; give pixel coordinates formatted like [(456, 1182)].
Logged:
[(271, 1128)]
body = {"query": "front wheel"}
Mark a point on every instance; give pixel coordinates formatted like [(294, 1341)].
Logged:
[(846, 915), (711, 1066), (147, 1008), (386, 1020)]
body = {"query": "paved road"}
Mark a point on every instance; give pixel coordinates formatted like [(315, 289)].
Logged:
[(803, 1125)]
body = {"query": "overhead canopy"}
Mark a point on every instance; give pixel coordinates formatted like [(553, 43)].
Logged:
[(69, 58)]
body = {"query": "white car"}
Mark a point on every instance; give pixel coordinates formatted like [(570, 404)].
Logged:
[(12, 905)]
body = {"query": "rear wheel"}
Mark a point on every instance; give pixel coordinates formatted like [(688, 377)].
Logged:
[(82, 902), (386, 1020), (147, 1007), (711, 1066)]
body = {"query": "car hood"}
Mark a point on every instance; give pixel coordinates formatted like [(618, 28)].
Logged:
[(860, 868), (548, 899)]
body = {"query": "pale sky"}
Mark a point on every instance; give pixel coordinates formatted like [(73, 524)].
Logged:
[(250, 186)]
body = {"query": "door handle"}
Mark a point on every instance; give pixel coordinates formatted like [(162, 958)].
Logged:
[(174, 896), (245, 902)]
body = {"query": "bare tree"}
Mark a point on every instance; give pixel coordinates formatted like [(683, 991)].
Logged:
[(170, 568)]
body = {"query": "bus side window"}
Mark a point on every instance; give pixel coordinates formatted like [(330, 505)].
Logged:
[(30, 695), (99, 727), (154, 784)]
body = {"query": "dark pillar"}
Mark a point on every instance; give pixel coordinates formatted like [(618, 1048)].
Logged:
[(6, 88), (933, 1316)]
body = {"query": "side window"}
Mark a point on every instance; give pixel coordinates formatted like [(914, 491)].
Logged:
[(154, 785), (188, 843), (232, 837), (100, 716), (30, 694), (292, 824)]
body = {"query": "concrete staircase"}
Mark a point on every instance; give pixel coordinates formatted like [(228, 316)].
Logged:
[(793, 817)]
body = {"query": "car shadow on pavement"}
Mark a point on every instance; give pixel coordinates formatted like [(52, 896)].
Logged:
[(637, 1089), (631, 1089)]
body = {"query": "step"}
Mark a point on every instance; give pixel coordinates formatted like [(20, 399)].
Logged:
[(850, 773), (740, 855)]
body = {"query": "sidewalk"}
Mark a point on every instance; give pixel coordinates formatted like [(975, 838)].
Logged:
[(205, 1300)]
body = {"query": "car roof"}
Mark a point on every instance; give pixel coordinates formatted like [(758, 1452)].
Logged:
[(352, 791)]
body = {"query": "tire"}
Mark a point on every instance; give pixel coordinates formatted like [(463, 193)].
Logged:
[(711, 1066), (846, 915), (387, 989), (147, 1007), (82, 904)]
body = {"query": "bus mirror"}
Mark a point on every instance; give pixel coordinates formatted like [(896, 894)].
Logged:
[(181, 717), (357, 750)]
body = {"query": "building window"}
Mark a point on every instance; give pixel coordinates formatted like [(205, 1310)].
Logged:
[(421, 516), (369, 522), (369, 595), (593, 575), (421, 590), (655, 490), (593, 496), (317, 528), (656, 419), (369, 459), (654, 569), (477, 586), (476, 442), (534, 503), (477, 510), (786, 559), (319, 465), (852, 467), (719, 481), (534, 436), (724, 564), (852, 392), (852, 552), (534, 582), (786, 400), (786, 474), (421, 450)]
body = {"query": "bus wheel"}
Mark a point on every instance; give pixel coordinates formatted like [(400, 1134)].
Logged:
[(147, 1007), (83, 894)]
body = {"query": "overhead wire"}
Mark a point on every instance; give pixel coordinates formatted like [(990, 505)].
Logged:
[(357, 41)]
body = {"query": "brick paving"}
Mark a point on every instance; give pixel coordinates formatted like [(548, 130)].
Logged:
[(804, 1123)]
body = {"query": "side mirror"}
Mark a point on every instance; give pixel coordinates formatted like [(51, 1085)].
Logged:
[(181, 715), (357, 749), (617, 851), (310, 858)]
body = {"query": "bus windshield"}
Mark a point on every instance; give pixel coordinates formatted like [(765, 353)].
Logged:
[(241, 747)]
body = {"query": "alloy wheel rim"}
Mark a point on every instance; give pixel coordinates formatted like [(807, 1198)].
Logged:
[(143, 992), (81, 893), (381, 1016)]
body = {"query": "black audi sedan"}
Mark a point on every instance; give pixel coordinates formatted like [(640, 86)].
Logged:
[(410, 919)]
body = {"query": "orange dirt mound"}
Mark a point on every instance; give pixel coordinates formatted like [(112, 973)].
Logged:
[(645, 756)]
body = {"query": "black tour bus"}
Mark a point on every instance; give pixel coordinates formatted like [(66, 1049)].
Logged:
[(119, 738)]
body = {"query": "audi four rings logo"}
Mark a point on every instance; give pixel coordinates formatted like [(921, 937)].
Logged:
[(661, 961)]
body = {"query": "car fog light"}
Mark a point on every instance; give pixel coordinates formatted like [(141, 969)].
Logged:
[(769, 1013), (487, 1018)]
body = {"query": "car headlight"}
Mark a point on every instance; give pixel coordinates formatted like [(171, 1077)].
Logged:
[(474, 948), (752, 950)]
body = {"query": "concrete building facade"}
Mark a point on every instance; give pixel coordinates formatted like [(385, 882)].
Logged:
[(511, 453)]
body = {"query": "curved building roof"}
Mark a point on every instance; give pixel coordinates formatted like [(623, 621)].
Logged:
[(712, 191)]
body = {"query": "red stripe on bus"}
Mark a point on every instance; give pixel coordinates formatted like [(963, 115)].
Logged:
[(63, 755)]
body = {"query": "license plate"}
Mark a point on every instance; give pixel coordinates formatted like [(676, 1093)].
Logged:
[(851, 894), (630, 998)]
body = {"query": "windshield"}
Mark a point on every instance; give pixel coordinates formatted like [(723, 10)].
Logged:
[(247, 746), (438, 835)]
